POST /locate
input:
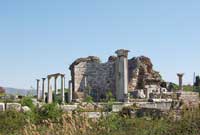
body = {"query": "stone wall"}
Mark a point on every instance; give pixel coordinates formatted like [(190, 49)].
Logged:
[(190, 99), (101, 77), (141, 73)]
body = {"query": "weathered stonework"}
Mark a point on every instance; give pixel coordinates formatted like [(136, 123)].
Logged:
[(100, 76), (141, 73), (13, 106), (190, 99), (89, 74)]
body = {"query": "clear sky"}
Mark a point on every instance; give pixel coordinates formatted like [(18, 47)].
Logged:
[(40, 37)]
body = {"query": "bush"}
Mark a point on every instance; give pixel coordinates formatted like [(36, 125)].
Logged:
[(50, 111), (57, 98), (27, 101), (89, 99), (11, 121)]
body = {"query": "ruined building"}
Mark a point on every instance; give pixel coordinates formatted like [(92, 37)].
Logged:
[(118, 75)]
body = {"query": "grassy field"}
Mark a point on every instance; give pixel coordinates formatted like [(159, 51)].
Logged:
[(50, 120)]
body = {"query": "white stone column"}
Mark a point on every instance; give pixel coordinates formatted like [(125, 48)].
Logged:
[(180, 78), (122, 75), (63, 88), (85, 81), (70, 92), (43, 89), (55, 86), (49, 99), (38, 89)]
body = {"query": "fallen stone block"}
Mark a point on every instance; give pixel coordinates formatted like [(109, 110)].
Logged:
[(13, 106), (94, 115), (2, 106), (117, 108), (25, 109), (69, 108)]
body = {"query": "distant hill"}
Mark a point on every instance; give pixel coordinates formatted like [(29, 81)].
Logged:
[(15, 91)]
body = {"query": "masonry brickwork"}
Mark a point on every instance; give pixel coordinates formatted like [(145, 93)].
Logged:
[(100, 77)]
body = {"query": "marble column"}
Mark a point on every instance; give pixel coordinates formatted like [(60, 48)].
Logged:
[(38, 89), (55, 86), (85, 81), (180, 78), (63, 88), (70, 92), (122, 75), (43, 89), (49, 100)]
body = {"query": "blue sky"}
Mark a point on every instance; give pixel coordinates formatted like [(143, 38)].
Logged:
[(40, 37)]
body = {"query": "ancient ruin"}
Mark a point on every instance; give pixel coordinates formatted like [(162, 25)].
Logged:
[(126, 79), (42, 96), (118, 75)]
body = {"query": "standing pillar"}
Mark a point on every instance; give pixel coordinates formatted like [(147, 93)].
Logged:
[(122, 75), (49, 99), (38, 89), (85, 81), (43, 89), (180, 78), (70, 92), (63, 88), (55, 86)]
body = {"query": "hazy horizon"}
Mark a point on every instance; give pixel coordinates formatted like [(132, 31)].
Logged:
[(38, 38)]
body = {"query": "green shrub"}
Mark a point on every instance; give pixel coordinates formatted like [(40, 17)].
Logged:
[(57, 98), (50, 111), (89, 99), (188, 88), (27, 101), (11, 121)]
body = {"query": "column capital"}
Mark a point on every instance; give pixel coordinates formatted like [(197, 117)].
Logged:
[(122, 52), (62, 75), (49, 77), (56, 76), (180, 74)]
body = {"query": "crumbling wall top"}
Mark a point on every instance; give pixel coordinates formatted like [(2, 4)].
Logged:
[(87, 59)]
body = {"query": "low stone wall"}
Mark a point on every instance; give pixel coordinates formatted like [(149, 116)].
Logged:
[(14, 106), (163, 106), (190, 99)]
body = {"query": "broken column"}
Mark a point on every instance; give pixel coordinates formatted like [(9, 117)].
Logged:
[(122, 75), (49, 99), (180, 77), (70, 92), (63, 88), (38, 89), (43, 89)]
